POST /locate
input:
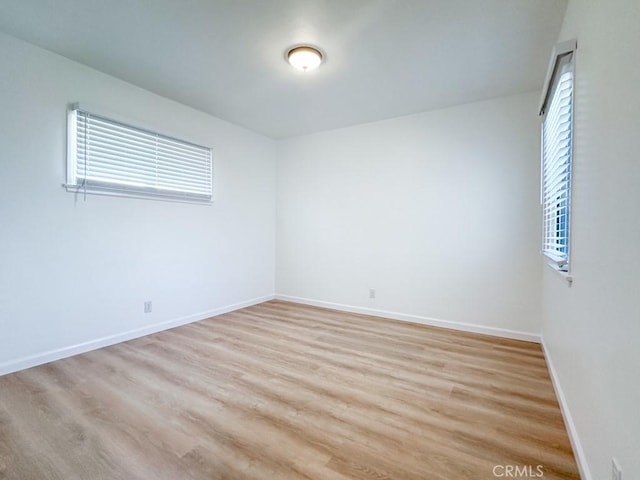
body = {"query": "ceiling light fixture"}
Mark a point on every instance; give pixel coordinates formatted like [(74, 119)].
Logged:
[(304, 57)]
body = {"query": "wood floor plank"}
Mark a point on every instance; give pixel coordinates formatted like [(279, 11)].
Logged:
[(285, 391)]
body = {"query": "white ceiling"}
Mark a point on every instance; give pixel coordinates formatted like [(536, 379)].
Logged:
[(384, 58)]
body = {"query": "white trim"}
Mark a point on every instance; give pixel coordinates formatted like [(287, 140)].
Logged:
[(71, 144), (581, 458), (404, 317), (559, 49), (77, 189), (566, 276), (64, 352)]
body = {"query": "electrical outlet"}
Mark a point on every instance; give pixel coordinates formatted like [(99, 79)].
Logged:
[(147, 306), (616, 472), (372, 293)]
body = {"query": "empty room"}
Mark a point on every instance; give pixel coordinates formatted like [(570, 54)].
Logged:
[(319, 239)]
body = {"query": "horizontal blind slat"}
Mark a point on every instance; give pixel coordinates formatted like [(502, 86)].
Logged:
[(112, 156), (105, 159), (556, 168)]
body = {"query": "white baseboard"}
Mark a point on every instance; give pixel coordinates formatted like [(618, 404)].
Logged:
[(64, 352), (581, 459), (434, 322)]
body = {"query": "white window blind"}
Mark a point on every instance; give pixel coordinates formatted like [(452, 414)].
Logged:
[(557, 139), (107, 156)]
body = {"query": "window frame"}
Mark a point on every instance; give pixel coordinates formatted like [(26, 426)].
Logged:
[(175, 187), (562, 62)]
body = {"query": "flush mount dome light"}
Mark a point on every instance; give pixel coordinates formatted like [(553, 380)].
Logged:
[(304, 58)]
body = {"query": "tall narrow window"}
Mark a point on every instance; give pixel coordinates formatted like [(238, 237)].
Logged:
[(109, 157), (557, 138)]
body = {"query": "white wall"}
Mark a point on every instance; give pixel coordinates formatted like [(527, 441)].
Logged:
[(592, 330), (75, 271), (438, 212)]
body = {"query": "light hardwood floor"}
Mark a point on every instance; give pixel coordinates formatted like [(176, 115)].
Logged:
[(283, 391)]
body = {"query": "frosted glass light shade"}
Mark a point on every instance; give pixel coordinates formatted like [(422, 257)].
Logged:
[(304, 58)]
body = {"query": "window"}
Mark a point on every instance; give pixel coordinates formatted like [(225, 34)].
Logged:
[(557, 128), (109, 157)]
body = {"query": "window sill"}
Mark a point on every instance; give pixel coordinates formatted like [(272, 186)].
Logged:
[(115, 192), (566, 276)]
